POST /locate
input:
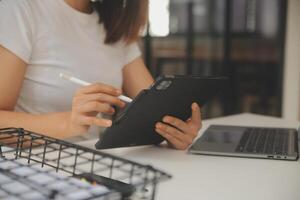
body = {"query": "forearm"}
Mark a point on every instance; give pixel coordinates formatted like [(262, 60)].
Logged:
[(133, 84), (53, 124)]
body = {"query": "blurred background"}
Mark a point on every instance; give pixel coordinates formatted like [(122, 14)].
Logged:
[(245, 40)]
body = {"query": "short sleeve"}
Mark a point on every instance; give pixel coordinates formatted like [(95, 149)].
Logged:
[(132, 51), (16, 28)]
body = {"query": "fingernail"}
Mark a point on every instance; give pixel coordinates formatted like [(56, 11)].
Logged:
[(118, 92), (194, 105), (109, 123), (166, 119), (158, 125)]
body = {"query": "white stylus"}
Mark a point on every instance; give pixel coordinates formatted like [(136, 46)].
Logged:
[(84, 83)]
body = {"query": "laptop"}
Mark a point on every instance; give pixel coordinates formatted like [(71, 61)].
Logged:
[(250, 142)]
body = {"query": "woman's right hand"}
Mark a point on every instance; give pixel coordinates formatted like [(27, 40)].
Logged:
[(88, 102)]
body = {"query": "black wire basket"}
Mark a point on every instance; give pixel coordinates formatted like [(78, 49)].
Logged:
[(33, 166)]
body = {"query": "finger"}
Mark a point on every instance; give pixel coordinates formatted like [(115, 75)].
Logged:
[(196, 114), (184, 138), (99, 88), (96, 107), (175, 143), (85, 120), (178, 123), (101, 98)]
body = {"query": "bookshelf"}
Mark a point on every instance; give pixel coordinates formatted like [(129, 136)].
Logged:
[(242, 39)]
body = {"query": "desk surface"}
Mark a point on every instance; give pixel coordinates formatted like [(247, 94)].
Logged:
[(226, 178)]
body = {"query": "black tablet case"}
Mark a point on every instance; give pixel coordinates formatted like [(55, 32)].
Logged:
[(136, 125)]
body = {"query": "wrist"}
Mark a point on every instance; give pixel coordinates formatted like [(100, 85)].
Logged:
[(66, 125)]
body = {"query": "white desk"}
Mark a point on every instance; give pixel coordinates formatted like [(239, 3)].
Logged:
[(221, 178)]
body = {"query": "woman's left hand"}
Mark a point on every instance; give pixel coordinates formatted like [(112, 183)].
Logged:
[(180, 134)]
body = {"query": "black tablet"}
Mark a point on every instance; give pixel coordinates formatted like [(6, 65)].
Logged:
[(169, 95)]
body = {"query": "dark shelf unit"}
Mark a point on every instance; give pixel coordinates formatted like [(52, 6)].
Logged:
[(230, 62)]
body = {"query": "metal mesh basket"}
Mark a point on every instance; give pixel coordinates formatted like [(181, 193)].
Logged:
[(21, 149)]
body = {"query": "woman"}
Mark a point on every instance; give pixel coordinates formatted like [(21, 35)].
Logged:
[(40, 39)]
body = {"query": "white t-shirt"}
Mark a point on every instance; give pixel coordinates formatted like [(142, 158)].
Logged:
[(52, 38)]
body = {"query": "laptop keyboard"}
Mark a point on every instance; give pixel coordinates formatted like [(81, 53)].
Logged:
[(264, 141)]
